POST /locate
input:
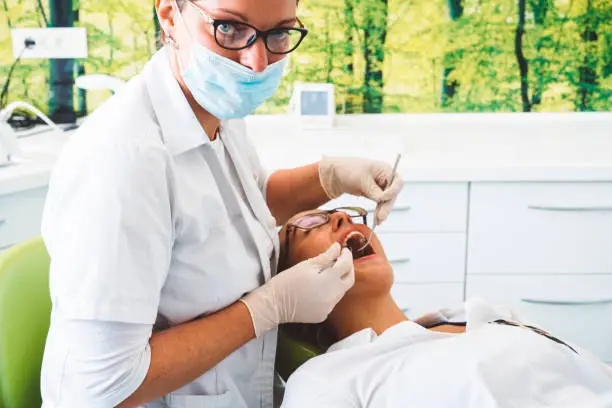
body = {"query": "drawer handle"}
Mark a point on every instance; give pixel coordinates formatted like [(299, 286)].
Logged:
[(567, 302), (570, 209), (401, 261)]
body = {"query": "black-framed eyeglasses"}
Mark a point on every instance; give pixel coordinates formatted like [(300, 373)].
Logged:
[(317, 218), (235, 35)]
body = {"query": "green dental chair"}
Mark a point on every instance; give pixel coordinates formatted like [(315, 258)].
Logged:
[(25, 308)]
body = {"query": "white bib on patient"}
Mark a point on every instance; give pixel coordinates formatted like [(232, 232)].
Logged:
[(490, 366)]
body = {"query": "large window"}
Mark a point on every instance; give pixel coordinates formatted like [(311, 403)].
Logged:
[(382, 55)]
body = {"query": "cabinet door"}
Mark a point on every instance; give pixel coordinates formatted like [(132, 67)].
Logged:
[(20, 216), (540, 228), (425, 257), (575, 308)]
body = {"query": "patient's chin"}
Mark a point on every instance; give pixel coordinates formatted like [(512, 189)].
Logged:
[(374, 272)]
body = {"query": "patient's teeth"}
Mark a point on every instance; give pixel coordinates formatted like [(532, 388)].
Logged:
[(361, 237)]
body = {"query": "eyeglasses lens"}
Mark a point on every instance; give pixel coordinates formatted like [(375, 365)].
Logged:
[(311, 220), (235, 35)]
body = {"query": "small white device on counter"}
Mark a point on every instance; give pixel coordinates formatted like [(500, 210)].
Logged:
[(9, 147), (314, 104)]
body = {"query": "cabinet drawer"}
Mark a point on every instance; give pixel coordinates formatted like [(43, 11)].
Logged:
[(419, 298), (20, 216), (540, 228), (420, 207), (425, 257), (576, 309)]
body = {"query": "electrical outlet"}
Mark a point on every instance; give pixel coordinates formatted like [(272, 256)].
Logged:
[(58, 42)]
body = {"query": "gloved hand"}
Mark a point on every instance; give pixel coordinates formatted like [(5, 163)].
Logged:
[(361, 177), (305, 293)]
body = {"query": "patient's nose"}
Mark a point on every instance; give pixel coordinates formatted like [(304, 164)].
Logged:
[(338, 219)]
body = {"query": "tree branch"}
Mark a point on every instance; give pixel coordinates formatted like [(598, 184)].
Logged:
[(42, 12), (8, 16), (520, 57)]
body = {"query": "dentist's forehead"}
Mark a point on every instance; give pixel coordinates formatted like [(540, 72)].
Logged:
[(270, 9)]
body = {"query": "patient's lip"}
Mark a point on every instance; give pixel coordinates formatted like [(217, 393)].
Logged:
[(367, 258)]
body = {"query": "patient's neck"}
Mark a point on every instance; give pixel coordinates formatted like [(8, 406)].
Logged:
[(355, 313)]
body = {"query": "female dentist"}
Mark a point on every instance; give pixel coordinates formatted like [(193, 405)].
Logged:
[(160, 223)]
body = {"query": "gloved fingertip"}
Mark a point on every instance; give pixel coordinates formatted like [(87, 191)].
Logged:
[(346, 253), (382, 214), (336, 248), (333, 252)]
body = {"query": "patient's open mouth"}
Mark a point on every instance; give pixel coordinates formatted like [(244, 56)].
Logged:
[(354, 241)]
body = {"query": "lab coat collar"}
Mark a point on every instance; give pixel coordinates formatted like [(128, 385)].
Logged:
[(180, 128), (366, 336), (362, 337)]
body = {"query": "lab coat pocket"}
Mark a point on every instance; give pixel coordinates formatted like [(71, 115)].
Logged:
[(199, 401)]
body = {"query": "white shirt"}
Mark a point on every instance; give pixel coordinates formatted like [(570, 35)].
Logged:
[(490, 366), (146, 229)]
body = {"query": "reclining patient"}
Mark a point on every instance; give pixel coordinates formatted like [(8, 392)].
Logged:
[(376, 357)]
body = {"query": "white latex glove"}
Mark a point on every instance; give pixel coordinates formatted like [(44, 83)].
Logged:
[(305, 293), (361, 177)]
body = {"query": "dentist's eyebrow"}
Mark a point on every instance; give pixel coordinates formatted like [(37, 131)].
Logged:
[(287, 21), (234, 13)]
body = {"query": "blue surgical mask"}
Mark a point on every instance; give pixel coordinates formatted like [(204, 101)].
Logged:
[(225, 88)]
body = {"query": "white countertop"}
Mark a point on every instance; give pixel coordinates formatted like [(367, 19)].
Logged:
[(435, 147), (451, 147), (32, 169)]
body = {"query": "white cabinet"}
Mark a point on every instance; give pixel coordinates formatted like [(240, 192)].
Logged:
[(534, 228), (575, 308), (429, 207), (427, 257), (20, 216), (545, 249)]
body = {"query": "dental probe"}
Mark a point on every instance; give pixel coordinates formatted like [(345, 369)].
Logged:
[(374, 224)]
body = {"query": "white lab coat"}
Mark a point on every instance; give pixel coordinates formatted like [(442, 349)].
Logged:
[(146, 225), (490, 366)]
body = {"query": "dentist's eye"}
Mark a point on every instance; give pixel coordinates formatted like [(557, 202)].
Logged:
[(226, 29)]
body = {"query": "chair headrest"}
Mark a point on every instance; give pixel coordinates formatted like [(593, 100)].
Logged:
[(292, 352)]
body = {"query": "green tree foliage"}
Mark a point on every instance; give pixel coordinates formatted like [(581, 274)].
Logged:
[(382, 55)]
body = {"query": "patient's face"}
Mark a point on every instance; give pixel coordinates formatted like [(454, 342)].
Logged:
[(373, 273)]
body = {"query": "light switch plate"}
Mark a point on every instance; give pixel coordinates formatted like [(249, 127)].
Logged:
[(59, 42)]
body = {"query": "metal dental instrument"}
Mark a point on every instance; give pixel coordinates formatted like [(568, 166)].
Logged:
[(374, 224)]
